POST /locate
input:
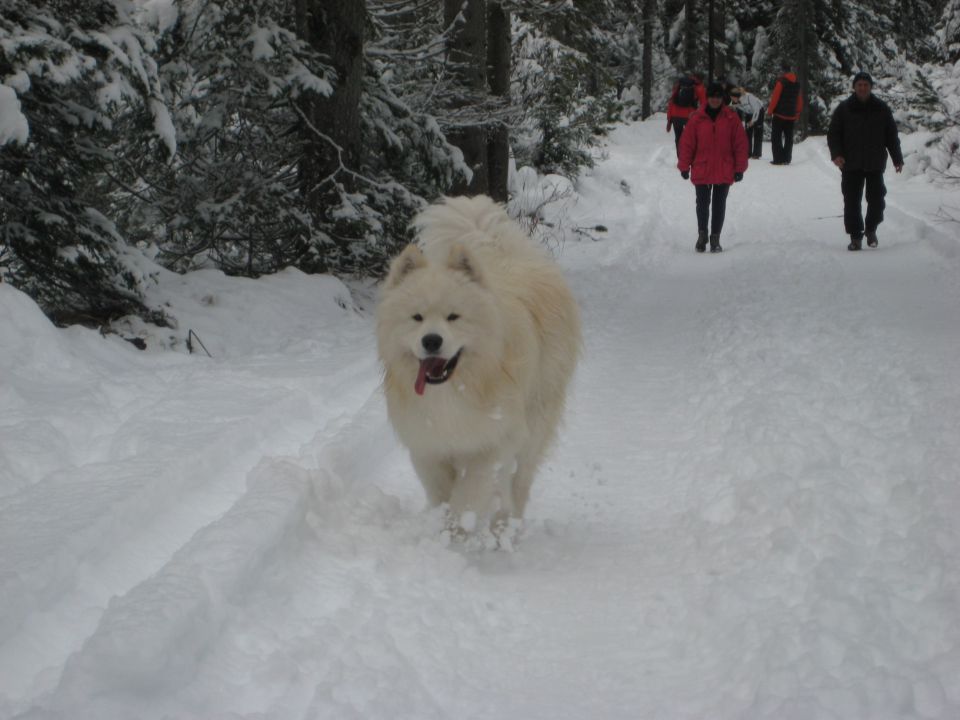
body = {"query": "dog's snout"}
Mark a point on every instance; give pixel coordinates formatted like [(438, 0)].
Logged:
[(432, 342)]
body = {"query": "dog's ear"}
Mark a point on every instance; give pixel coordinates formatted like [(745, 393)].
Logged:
[(462, 260), (410, 259)]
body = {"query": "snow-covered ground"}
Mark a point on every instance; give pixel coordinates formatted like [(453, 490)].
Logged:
[(752, 512)]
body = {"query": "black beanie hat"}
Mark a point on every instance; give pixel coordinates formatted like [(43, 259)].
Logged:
[(862, 76), (715, 89)]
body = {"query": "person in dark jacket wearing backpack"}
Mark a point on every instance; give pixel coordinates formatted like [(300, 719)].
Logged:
[(862, 132), (713, 155), (784, 108), (688, 94)]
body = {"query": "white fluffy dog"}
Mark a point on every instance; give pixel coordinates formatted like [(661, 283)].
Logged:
[(479, 335)]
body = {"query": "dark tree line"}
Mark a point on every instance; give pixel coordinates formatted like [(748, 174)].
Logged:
[(253, 135)]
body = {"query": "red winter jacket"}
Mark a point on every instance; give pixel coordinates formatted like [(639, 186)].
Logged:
[(713, 150)]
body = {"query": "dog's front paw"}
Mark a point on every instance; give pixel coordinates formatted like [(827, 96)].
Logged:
[(472, 532), (467, 521), (460, 525)]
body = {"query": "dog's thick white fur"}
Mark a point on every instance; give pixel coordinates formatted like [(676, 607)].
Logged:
[(479, 336)]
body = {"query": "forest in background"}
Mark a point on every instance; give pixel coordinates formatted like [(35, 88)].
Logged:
[(255, 135)]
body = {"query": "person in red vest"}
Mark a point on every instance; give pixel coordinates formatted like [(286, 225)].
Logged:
[(784, 107), (688, 95), (713, 155)]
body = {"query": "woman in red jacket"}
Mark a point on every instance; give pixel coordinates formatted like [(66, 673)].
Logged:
[(713, 155)]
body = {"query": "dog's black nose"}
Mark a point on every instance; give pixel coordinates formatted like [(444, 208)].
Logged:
[(432, 342)]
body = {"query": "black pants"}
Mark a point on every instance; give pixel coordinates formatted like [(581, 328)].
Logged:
[(755, 137), (719, 193), (781, 140), (678, 125), (852, 184)]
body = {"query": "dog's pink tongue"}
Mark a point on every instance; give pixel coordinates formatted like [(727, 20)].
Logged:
[(428, 366)]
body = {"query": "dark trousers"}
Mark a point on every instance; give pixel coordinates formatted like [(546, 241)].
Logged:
[(755, 137), (852, 184), (678, 125), (781, 140), (719, 193)]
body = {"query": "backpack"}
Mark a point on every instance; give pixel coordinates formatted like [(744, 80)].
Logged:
[(787, 104), (686, 96)]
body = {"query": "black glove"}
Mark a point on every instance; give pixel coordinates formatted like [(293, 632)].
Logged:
[(737, 177), (685, 174)]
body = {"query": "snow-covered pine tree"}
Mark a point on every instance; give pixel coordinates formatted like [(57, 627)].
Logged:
[(408, 159), (736, 27), (911, 22), (562, 82), (752, 17), (647, 20), (228, 193), (795, 39), (69, 72), (940, 158), (467, 66), (636, 57), (947, 38), (330, 127)]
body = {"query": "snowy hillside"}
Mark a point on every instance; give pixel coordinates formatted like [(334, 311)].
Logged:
[(752, 511)]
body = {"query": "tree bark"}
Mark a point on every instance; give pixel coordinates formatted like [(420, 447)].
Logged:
[(718, 32), (649, 12), (336, 29), (803, 64), (710, 43), (467, 58), (690, 35), (498, 61)]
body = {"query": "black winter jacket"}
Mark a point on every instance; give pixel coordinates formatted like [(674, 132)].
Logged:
[(863, 133)]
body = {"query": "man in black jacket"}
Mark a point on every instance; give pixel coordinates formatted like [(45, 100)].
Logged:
[(862, 132)]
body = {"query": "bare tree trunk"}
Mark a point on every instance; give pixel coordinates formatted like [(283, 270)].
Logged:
[(710, 58), (335, 28), (649, 12), (498, 60), (803, 64), (467, 56), (718, 33), (690, 35)]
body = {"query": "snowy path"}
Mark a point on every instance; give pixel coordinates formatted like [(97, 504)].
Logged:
[(752, 513)]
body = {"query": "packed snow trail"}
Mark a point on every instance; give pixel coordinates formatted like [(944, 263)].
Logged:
[(751, 512)]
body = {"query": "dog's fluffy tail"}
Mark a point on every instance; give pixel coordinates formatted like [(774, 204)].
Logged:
[(471, 220)]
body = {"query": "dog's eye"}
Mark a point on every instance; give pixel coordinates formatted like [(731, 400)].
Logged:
[(418, 317), (452, 316)]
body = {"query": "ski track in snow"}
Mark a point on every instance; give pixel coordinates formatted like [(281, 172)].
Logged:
[(751, 512)]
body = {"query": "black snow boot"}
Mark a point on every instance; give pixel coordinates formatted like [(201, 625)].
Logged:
[(871, 238), (702, 241), (855, 241), (715, 243)]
